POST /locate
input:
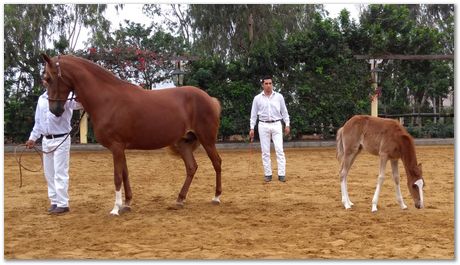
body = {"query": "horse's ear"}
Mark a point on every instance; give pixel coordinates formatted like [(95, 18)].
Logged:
[(46, 58)]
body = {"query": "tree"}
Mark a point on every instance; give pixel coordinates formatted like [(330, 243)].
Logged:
[(410, 29), (313, 68), (29, 31), (231, 31), (175, 18), (138, 54)]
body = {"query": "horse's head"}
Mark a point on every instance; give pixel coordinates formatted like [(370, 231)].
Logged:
[(416, 184), (58, 89)]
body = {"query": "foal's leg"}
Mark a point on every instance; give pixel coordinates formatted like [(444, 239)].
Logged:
[(348, 160), (186, 152), (380, 179), (396, 178), (119, 164), (217, 164)]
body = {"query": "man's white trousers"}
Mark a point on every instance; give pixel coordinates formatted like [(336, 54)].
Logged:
[(56, 167), (272, 131)]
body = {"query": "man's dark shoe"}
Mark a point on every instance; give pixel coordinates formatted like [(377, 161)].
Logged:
[(282, 178), (52, 207), (268, 178), (60, 210)]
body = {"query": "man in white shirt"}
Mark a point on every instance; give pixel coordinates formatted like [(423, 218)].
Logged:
[(56, 164), (270, 108)]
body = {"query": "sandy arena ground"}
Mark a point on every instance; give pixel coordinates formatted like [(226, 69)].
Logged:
[(300, 219)]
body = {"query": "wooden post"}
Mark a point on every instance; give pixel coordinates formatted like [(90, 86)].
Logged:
[(84, 129), (375, 98), (375, 102)]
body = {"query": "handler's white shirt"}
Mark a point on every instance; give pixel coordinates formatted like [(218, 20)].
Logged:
[(46, 123), (269, 108)]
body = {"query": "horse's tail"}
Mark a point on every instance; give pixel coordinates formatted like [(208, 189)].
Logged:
[(217, 111), (339, 151), (216, 105), (189, 138)]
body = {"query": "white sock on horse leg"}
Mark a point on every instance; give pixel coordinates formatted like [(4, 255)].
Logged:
[(118, 203)]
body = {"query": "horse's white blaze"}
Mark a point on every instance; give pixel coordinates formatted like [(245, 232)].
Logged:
[(419, 184), (118, 203)]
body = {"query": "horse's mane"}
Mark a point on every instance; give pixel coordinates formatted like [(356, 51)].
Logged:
[(98, 70)]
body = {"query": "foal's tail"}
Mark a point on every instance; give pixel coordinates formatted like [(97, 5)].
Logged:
[(339, 152)]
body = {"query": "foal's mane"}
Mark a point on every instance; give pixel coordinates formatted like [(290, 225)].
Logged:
[(96, 69), (408, 155)]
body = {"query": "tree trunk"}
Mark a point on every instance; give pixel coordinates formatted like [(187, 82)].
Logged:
[(250, 31)]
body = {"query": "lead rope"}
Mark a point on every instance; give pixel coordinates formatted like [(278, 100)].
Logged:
[(250, 154), (39, 152)]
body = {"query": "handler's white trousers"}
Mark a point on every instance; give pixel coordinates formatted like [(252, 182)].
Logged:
[(56, 167), (273, 131)]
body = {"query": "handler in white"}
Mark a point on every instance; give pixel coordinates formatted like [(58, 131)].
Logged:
[(56, 164), (270, 108)]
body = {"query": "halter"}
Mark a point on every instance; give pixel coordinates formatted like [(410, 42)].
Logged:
[(58, 67)]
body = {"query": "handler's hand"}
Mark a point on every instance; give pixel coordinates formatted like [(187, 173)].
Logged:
[(251, 135), (287, 130), (30, 144)]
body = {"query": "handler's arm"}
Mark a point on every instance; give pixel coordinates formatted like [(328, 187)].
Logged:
[(253, 119)]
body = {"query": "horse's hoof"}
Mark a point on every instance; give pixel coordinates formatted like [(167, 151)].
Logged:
[(216, 200), (125, 209)]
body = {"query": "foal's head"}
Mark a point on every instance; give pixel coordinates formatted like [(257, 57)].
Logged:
[(415, 184), (58, 89)]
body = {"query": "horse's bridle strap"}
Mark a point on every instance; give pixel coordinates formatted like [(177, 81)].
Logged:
[(58, 67)]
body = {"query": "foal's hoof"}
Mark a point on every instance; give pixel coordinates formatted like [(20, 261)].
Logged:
[(177, 205), (114, 213)]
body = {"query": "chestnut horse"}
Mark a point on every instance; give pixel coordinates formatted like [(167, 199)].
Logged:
[(125, 116), (387, 139)]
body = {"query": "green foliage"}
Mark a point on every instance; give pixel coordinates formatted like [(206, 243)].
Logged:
[(138, 54), (310, 57), (28, 29), (432, 130)]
